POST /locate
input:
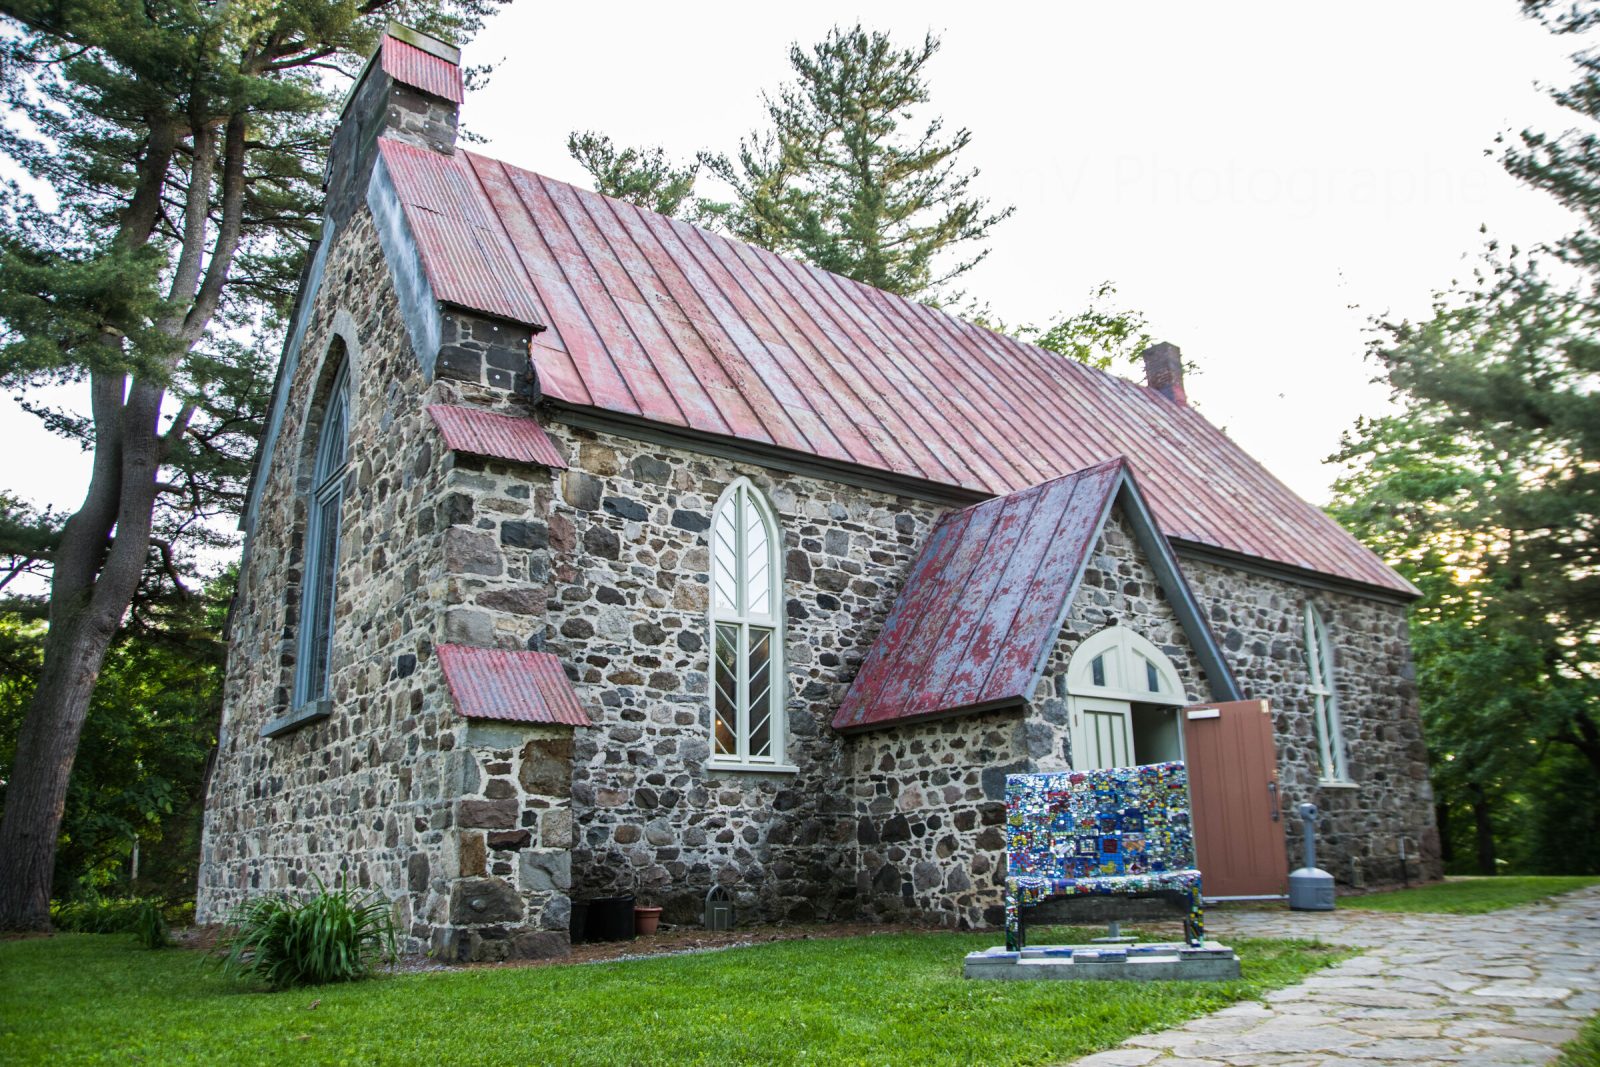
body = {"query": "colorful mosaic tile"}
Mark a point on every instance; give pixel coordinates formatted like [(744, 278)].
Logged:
[(1118, 831)]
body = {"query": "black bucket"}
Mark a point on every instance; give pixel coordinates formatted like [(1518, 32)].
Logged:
[(610, 919)]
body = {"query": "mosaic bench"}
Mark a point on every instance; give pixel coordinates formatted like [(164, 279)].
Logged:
[(1122, 831)]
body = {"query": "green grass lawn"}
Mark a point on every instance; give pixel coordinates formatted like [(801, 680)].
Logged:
[(1471, 896), (891, 998)]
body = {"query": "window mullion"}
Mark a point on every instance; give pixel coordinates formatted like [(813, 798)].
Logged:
[(742, 704)]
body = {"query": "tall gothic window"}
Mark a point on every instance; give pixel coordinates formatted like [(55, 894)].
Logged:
[(1325, 700), (746, 638), (322, 545)]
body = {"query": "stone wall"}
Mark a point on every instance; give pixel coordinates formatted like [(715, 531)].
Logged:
[(930, 817), (1259, 621), (365, 793), (514, 821), (467, 831), (607, 565)]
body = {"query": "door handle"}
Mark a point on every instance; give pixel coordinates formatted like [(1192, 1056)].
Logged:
[(1272, 788)]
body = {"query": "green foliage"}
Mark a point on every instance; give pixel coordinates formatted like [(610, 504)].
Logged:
[(1469, 896), (150, 729), (641, 176), (332, 935), (843, 177), (27, 538), (150, 927), (153, 138), (887, 998), (1484, 489), (1099, 335), (1583, 1050), (117, 915)]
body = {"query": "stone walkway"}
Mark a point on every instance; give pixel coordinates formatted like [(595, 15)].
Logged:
[(1505, 988)]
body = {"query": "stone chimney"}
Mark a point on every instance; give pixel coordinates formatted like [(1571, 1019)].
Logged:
[(1163, 371), (410, 89)]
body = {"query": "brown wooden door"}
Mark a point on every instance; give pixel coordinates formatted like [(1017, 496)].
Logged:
[(1233, 791)]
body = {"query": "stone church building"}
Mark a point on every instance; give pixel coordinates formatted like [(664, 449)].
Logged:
[(590, 553)]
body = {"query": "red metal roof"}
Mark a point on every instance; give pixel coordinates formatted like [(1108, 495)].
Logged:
[(485, 433), (983, 604), (653, 318), (421, 70), (491, 683)]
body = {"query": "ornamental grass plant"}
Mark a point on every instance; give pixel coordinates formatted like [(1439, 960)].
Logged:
[(332, 935), (150, 927)]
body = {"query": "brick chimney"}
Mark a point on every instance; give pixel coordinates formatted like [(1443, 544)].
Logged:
[(410, 89), (1163, 371)]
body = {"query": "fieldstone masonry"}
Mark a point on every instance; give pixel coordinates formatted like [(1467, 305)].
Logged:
[(1260, 621), (482, 833), (514, 831)]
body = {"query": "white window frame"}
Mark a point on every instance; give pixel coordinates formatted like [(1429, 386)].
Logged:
[(1126, 656), (326, 494), (1326, 729), (740, 500), (1125, 653)]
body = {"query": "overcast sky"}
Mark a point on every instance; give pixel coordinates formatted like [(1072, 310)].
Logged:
[(1258, 179)]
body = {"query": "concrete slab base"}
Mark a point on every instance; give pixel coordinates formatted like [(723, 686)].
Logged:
[(1165, 962)]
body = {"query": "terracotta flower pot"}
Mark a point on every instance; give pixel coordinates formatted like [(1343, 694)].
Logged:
[(645, 920)]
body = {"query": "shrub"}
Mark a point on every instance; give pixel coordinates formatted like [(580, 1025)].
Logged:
[(150, 927), (333, 935), (115, 915)]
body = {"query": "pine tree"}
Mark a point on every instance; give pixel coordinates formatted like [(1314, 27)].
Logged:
[(640, 176), (839, 178), (179, 147)]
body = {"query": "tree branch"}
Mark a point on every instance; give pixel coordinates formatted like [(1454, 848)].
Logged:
[(205, 304), (196, 216)]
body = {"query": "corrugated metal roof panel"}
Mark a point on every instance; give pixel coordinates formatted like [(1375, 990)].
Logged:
[(469, 259), (653, 318), (421, 70), (979, 612), (492, 683), (516, 439)]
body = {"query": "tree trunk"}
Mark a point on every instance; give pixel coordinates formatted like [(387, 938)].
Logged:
[(37, 793), (88, 599), (1483, 824)]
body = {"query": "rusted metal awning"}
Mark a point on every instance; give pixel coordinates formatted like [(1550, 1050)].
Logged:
[(985, 602), (651, 318), (505, 686), (514, 438)]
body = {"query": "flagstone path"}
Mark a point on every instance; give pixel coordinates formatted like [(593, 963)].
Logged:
[(1509, 987)]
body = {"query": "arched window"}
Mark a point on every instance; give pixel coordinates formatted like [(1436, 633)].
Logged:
[(1324, 700), (1117, 662), (746, 635), (1123, 693), (322, 545)]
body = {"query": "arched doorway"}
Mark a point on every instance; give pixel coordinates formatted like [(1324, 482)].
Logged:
[(1124, 694)]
